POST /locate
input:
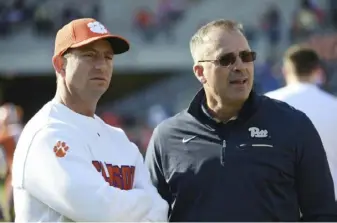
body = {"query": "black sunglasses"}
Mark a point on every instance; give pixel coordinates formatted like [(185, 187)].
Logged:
[(228, 59)]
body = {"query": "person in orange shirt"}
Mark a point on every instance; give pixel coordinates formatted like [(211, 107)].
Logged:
[(10, 130)]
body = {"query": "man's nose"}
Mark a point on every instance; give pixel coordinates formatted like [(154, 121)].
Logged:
[(100, 62), (238, 65)]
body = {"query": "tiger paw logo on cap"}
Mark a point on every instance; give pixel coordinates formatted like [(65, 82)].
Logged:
[(60, 149), (97, 27)]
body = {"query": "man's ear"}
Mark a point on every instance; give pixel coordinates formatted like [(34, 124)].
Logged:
[(59, 64), (284, 70), (199, 73), (287, 68)]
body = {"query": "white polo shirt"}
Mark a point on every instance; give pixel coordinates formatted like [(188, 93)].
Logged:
[(321, 108)]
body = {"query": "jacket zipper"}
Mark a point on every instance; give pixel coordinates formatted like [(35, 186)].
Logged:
[(223, 152)]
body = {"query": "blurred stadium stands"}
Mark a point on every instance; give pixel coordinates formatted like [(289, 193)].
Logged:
[(154, 80)]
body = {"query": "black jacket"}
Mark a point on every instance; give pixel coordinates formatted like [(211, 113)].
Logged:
[(268, 165)]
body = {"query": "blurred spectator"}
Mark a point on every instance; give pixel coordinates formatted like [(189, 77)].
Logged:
[(271, 24), (164, 21), (169, 13), (319, 12), (138, 129), (12, 15), (17, 13), (43, 24), (250, 33), (304, 75), (305, 21), (90, 8), (333, 12), (324, 45), (43, 15), (177, 10), (111, 119), (156, 115), (70, 13), (4, 23), (271, 21), (140, 134), (266, 77), (145, 24), (10, 129), (96, 11)]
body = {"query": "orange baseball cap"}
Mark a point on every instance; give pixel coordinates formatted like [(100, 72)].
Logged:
[(80, 32)]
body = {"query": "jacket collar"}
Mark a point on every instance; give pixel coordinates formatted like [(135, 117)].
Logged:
[(195, 108)]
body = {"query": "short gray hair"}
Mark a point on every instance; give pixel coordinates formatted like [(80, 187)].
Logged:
[(199, 37)]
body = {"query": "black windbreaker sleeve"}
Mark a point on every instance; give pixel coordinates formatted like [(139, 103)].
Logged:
[(153, 160), (313, 179)]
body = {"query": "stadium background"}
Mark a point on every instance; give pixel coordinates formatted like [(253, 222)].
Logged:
[(154, 80)]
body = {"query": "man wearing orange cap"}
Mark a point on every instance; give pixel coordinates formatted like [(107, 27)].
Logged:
[(71, 166)]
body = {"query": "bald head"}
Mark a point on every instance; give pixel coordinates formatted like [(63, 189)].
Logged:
[(202, 42)]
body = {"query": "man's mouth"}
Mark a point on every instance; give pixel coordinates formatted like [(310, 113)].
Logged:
[(98, 78), (239, 81)]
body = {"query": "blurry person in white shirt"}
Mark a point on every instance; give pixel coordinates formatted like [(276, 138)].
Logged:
[(304, 74)]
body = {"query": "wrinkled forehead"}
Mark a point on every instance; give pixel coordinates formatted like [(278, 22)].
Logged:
[(218, 42)]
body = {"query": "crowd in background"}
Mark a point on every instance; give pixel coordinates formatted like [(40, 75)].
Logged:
[(43, 17), (307, 22), (139, 130), (162, 21)]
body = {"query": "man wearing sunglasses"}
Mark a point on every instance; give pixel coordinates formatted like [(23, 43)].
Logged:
[(233, 155)]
